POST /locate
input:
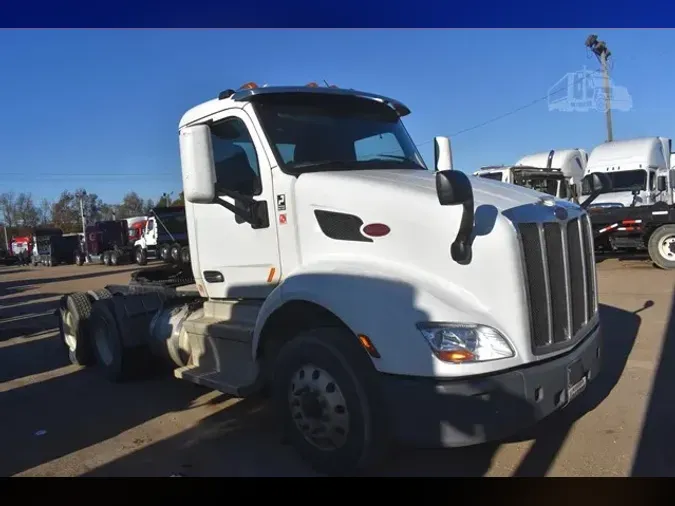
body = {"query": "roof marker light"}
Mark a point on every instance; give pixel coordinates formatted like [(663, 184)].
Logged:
[(248, 86), (312, 85)]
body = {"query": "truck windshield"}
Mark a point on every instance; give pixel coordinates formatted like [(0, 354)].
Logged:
[(627, 180), (496, 176), (544, 184), (313, 132)]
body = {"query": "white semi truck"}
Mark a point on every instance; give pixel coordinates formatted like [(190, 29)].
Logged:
[(555, 172), (333, 270), (632, 166)]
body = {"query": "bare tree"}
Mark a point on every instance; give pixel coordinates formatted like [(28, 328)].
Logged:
[(27, 214), (45, 212), (8, 208), (132, 205)]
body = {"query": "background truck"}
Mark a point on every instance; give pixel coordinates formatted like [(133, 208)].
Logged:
[(556, 172), (105, 242), (354, 285), (632, 166), (165, 237), (52, 247), (136, 227)]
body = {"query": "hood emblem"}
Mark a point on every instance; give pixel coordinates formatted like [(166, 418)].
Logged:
[(560, 213)]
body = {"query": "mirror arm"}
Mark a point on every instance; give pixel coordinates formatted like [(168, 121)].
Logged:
[(255, 212), (460, 250)]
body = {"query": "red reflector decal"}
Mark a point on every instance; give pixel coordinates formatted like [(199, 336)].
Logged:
[(376, 230)]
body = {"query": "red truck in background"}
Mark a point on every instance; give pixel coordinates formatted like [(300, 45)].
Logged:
[(136, 226)]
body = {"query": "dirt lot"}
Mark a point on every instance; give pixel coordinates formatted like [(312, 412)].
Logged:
[(60, 420)]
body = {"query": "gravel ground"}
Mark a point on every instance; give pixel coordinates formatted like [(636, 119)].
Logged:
[(60, 420)]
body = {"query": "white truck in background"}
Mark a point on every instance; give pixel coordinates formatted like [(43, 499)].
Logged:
[(164, 237), (555, 172), (359, 290), (633, 167)]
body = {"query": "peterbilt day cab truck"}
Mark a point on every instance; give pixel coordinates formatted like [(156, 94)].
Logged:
[(334, 271)]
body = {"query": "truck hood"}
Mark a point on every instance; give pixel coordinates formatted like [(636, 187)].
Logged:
[(617, 199), (416, 250), (417, 183)]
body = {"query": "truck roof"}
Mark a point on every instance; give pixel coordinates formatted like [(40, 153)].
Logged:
[(571, 162), (231, 98), (628, 153)]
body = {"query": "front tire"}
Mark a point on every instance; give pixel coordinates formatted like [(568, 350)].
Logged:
[(661, 247), (141, 256), (79, 259), (106, 258), (325, 394)]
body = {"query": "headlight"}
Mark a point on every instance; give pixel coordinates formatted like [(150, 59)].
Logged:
[(461, 342)]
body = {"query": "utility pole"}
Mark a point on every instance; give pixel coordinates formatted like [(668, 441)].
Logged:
[(167, 199), (603, 53), (84, 221)]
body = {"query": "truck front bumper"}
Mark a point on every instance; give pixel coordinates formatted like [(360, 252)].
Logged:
[(427, 412)]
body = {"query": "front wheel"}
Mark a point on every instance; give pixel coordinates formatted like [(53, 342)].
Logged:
[(661, 247), (325, 395), (141, 256), (79, 259), (106, 258), (114, 258)]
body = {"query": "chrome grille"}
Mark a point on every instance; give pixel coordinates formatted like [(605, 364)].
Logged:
[(560, 279)]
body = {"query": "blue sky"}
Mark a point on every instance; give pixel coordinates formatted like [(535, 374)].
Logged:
[(100, 108)]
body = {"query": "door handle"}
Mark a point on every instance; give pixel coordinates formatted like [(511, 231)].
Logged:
[(213, 277)]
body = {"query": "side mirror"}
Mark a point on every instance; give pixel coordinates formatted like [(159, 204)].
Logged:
[(454, 188), (661, 183), (196, 158), (671, 177), (442, 154), (598, 183)]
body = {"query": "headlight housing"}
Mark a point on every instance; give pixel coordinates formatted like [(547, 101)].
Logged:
[(465, 342)]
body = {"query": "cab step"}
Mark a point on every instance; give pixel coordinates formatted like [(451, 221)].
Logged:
[(221, 355)]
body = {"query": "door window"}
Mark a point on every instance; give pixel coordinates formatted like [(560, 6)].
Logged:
[(235, 158)]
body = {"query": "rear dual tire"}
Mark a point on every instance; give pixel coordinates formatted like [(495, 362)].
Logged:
[(73, 314)]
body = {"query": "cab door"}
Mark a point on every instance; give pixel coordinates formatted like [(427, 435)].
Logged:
[(236, 260)]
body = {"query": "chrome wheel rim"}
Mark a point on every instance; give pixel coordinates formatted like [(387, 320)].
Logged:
[(68, 332), (318, 408), (667, 247)]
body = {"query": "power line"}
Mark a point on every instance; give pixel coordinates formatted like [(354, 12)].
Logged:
[(162, 174), (513, 111)]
